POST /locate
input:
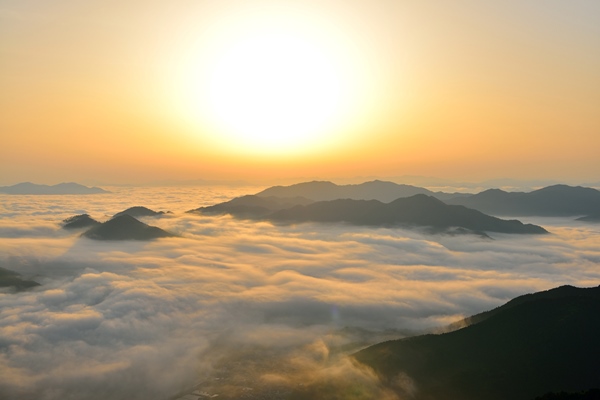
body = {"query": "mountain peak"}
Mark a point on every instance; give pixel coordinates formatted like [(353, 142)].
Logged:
[(79, 221), (125, 227), (139, 211)]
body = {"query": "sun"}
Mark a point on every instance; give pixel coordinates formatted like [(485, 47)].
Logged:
[(274, 83), (274, 91)]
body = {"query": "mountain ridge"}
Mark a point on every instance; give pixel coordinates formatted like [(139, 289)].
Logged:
[(533, 344), (556, 200), (418, 210)]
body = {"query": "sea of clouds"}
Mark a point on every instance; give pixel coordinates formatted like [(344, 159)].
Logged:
[(243, 308)]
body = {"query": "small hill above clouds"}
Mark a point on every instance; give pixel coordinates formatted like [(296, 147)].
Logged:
[(79, 221), (535, 344), (556, 200), (125, 227), (252, 206), (61, 188), (418, 210), (323, 191), (12, 279), (139, 211)]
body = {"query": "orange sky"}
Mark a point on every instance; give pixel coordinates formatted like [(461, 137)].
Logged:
[(149, 90)]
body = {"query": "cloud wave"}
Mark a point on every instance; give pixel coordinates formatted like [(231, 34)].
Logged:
[(263, 308)]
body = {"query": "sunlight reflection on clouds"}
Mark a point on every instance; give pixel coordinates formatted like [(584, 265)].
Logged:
[(112, 316)]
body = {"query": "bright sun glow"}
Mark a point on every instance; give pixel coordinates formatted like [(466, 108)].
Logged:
[(274, 84), (274, 91)]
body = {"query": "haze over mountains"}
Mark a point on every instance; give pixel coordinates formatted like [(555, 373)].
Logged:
[(364, 204), (379, 203), (555, 200), (61, 188), (534, 344)]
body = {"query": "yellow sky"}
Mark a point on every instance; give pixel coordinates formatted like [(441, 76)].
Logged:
[(139, 91)]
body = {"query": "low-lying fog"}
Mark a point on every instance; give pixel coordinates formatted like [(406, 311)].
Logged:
[(239, 306)]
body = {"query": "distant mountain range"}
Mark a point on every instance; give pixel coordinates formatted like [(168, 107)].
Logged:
[(418, 210), (61, 188), (557, 200), (125, 227), (373, 190), (535, 344)]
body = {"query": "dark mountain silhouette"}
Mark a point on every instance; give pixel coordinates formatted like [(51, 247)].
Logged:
[(535, 344), (590, 218), (61, 188), (139, 211), (252, 206), (557, 200), (374, 190), (557, 293), (13, 280), (79, 221), (125, 227), (418, 210)]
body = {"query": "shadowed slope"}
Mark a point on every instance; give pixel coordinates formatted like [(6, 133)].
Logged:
[(535, 344), (61, 188)]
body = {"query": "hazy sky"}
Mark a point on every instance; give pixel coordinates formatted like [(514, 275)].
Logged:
[(136, 91)]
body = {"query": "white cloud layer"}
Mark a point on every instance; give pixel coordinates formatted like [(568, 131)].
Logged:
[(259, 306)]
